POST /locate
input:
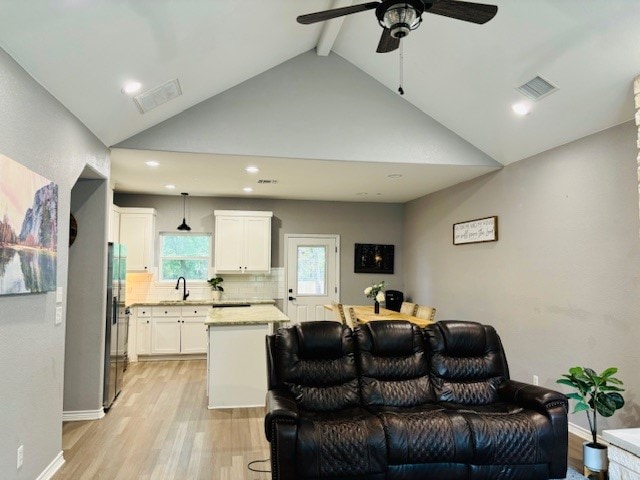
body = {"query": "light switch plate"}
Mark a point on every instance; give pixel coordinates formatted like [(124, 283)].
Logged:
[(58, 315), (59, 293)]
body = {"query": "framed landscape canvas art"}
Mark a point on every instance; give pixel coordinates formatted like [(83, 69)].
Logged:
[(28, 230)]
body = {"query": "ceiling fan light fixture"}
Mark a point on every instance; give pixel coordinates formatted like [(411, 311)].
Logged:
[(401, 18)]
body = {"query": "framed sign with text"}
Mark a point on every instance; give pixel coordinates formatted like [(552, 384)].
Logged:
[(476, 231)]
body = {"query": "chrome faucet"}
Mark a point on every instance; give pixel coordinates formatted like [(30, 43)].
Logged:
[(185, 293)]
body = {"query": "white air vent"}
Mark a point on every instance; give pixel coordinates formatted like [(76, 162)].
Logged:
[(537, 88), (157, 96), (263, 180)]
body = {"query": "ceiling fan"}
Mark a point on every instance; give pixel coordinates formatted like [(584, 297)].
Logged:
[(398, 18)]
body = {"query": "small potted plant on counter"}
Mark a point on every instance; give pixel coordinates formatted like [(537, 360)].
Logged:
[(596, 394), (216, 289)]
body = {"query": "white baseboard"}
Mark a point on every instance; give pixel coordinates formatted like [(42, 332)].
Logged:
[(78, 415), (52, 468), (584, 433), (211, 407)]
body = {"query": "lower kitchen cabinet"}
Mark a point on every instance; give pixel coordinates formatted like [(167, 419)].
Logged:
[(143, 330), (165, 336), (193, 336), (171, 330)]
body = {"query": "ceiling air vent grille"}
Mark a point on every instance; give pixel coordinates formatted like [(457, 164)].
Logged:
[(264, 180), (537, 88), (157, 96)]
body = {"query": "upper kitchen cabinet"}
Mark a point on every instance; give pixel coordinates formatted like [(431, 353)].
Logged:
[(137, 232), (242, 241)]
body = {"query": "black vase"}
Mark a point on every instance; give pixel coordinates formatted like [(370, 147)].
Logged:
[(376, 307)]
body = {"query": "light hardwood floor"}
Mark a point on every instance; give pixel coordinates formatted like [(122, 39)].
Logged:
[(159, 428)]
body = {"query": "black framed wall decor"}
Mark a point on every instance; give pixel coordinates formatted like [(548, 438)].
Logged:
[(373, 258)]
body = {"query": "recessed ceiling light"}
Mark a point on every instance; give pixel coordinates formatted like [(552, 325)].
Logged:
[(131, 87), (152, 163), (521, 109), (170, 186), (252, 169), (395, 175), (248, 189)]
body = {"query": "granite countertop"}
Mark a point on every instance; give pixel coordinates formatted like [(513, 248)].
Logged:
[(626, 438), (253, 315), (224, 301)]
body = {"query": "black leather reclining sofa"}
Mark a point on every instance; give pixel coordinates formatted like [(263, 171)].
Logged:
[(390, 400)]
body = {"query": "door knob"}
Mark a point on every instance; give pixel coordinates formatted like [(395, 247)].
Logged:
[(292, 298)]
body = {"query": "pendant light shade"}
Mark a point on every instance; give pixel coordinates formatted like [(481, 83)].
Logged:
[(183, 225)]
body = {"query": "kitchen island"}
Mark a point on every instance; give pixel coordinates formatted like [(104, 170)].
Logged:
[(236, 358)]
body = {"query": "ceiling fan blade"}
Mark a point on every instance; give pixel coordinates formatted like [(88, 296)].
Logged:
[(335, 13), (387, 42), (469, 12)]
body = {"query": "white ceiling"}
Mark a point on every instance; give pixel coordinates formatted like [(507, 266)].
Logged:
[(463, 75), (201, 174)]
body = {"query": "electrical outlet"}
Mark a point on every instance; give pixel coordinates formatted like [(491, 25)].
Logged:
[(535, 379), (20, 460), (58, 315)]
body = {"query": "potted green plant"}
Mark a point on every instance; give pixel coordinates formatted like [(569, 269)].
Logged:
[(216, 288), (595, 394)]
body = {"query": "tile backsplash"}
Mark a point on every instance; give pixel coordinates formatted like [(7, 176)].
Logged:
[(141, 287)]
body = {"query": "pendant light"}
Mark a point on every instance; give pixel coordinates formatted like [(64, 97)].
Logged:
[(183, 225)]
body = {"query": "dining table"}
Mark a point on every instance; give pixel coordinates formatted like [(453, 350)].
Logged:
[(365, 313)]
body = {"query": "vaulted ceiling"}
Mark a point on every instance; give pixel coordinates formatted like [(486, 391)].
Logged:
[(462, 75)]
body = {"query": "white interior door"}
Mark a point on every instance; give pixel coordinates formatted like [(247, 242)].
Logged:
[(312, 279)]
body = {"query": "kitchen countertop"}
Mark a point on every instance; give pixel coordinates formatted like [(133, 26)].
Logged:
[(253, 315), (626, 438), (224, 301)]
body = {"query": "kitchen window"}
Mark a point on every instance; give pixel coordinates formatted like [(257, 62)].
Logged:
[(185, 255)]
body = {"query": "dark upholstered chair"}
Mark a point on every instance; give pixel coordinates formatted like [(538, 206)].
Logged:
[(517, 430), (393, 401), (315, 423)]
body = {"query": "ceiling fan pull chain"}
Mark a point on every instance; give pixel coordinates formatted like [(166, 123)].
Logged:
[(400, 89)]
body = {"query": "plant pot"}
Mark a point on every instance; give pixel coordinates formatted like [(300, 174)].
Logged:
[(216, 295), (594, 456)]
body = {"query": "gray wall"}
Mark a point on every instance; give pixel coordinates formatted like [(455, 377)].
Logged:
[(86, 299), (354, 222), (561, 285), (36, 131), (312, 107)]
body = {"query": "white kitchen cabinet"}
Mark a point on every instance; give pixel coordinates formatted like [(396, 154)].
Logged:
[(165, 330), (143, 330), (242, 241), (165, 337), (171, 330), (193, 331), (137, 233)]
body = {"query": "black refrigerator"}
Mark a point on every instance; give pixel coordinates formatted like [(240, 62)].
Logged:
[(117, 324)]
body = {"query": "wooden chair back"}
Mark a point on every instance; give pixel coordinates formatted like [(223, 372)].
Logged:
[(426, 312), (408, 308), (338, 311)]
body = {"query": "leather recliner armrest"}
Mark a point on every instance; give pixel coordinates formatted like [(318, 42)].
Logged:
[(281, 406), (531, 396)]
